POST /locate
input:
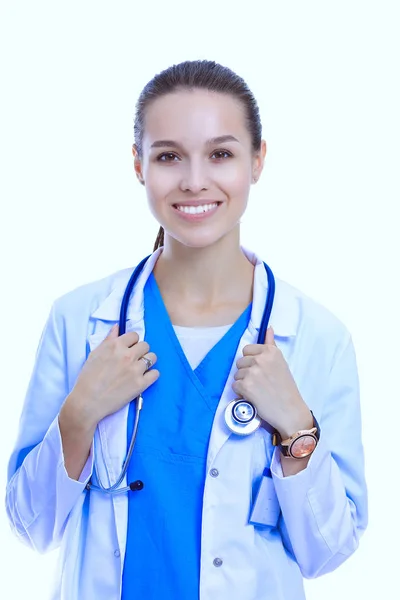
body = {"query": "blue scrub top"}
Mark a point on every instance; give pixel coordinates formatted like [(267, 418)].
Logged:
[(162, 558)]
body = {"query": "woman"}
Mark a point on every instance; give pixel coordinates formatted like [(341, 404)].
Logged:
[(211, 513)]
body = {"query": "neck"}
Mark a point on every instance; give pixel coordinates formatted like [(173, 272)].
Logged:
[(211, 276)]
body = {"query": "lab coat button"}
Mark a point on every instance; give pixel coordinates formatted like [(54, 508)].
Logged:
[(217, 562), (117, 553), (214, 472)]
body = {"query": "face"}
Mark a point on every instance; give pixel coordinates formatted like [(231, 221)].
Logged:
[(197, 165)]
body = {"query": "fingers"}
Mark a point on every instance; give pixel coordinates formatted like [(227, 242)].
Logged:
[(245, 361), (254, 349), (113, 333), (149, 355), (129, 339), (138, 350), (243, 365), (270, 337), (240, 374), (150, 377)]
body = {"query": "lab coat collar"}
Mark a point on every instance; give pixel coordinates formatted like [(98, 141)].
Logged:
[(110, 308), (285, 312)]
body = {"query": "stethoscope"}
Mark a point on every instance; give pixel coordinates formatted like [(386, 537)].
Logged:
[(240, 415)]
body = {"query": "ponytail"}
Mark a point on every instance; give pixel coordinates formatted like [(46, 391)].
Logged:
[(159, 240)]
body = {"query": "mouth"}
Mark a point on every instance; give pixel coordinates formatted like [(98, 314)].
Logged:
[(196, 208)]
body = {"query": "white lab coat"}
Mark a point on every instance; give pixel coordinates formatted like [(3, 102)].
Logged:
[(323, 509)]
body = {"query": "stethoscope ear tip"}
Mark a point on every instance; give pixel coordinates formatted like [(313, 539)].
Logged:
[(136, 486)]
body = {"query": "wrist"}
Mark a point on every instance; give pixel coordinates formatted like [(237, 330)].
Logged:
[(75, 411), (302, 420), (298, 445), (292, 466)]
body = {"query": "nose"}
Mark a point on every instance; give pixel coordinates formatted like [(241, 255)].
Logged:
[(194, 178)]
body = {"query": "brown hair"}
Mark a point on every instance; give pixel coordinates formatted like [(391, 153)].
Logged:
[(190, 75)]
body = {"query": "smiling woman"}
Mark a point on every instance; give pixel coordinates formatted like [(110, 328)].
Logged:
[(204, 123), (211, 512)]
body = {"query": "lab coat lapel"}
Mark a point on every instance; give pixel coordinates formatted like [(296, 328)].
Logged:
[(284, 320), (110, 436), (111, 431)]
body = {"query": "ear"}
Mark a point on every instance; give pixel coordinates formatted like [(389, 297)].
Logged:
[(137, 164), (258, 162)]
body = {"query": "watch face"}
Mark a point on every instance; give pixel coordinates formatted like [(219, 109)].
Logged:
[(303, 446)]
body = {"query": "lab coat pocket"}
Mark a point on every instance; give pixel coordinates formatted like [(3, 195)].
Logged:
[(266, 509)]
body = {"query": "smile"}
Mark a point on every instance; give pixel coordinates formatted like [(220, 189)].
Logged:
[(196, 210)]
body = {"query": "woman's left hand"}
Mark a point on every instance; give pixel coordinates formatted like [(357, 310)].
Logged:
[(264, 379)]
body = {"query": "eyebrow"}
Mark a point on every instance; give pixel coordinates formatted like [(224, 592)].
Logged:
[(222, 139)]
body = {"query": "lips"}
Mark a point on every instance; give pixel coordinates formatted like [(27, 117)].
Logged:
[(196, 211), (196, 203)]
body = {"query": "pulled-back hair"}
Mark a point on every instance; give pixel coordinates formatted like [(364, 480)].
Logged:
[(191, 75)]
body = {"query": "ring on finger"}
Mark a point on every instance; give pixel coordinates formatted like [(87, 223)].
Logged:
[(148, 361)]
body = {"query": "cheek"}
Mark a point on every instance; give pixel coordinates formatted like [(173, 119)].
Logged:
[(160, 182), (235, 178)]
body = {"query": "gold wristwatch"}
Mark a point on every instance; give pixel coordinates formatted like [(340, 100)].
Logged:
[(299, 445)]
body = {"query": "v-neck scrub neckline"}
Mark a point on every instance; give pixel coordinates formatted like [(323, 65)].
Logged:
[(197, 342), (241, 322), (163, 548)]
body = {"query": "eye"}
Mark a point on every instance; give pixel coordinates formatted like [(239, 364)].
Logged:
[(221, 154), (167, 157)]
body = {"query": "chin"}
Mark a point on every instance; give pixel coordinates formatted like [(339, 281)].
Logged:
[(200, 240)]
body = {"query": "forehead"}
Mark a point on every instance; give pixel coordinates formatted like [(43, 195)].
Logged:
[(194, 116)]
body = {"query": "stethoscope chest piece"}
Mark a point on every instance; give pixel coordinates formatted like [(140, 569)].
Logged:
[(241, 417)]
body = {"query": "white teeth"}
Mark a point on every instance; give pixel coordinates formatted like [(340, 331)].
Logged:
[(194, 210)]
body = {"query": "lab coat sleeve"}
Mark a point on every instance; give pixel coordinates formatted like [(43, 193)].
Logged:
[(324, 507), (40, 495)]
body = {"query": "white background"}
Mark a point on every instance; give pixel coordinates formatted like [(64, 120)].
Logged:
[(324, 215)]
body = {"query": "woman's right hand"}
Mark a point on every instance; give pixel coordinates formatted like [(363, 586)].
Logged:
[(112, 376)]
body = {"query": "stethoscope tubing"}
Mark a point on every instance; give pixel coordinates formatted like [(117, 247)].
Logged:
[(135, 275), (268, 305), (115, 489), (127, 295)]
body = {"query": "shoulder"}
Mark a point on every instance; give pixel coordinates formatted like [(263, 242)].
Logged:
[(85, 299), (315, 322)]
